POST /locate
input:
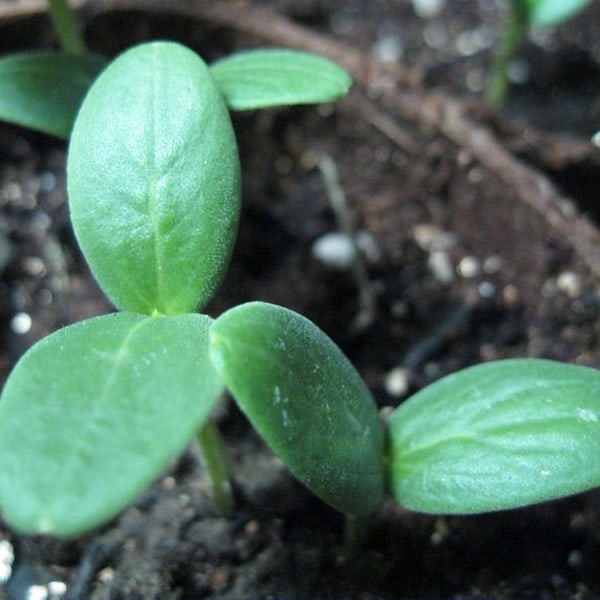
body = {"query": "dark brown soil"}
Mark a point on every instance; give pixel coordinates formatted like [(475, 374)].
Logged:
[(464, 270)]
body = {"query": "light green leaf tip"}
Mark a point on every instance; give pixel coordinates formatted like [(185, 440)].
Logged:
[(307, 401), (497, 436), (548, 13), (274, 77), (43, 90), (91, 414)]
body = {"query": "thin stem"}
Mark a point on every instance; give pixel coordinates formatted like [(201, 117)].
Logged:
[(518, 19), (218, 470), (356, 528), (339, 204), (67, 27)]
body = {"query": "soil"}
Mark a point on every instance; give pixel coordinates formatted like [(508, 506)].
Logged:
[(465, 267)]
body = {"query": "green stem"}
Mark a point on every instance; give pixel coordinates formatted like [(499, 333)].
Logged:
[(216, 463), (356, 528), (67, 27), (518, 20)]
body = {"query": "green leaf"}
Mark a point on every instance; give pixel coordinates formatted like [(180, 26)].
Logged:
[(307, 401), (153, 180), (553, 12), (262, 78), (496, 436), (91, 415), (44, 90)]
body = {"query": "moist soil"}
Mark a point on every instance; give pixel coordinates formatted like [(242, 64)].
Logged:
[(463, 270)]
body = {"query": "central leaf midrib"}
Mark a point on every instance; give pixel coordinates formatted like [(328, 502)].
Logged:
[(153, 193), (101, 398)]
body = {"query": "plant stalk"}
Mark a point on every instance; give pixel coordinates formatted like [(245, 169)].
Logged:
[(355, 529), (498, 84), (339, 204), (67, 27), (218, 470)]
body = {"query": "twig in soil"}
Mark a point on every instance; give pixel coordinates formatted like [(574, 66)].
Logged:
[(95, 557), (367, 298)]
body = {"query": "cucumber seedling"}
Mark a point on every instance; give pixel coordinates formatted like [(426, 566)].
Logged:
[(93, 413), (523, 14)]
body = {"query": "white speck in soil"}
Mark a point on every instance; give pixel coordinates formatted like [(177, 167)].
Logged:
[(21, 323), (7, 557), (469, 267), (569, 283), (427, 9), (56, 589), (441, 267), (397, 382)]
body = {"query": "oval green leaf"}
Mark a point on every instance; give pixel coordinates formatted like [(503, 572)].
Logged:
[(43, 90), (306, 400), (273, 77), (153, 180), (496, 436), (554, 12), (91, 415)]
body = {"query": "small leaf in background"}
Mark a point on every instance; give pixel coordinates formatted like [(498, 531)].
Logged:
[(553, 12), (153, 180), (496, 436), (44, 90), (306, 400), (272, 77), (91, 415)]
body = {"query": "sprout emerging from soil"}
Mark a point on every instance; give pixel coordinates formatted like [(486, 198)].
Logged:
[(91, 414)]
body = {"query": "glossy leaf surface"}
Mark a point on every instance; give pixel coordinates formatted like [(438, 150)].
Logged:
[(91, 415), (554, 12), (261, 78), (153, 180), (307, 401), (43, 90), (499, 435)]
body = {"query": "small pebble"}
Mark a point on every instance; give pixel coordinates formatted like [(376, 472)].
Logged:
[(569, 283), (336, 250), (397, 382), (21, 323), (388, 48), (469, 267), (430, 237), (440, 265), (427, 9), (56, 589), (7, 557), (34, 266), (37, 592)]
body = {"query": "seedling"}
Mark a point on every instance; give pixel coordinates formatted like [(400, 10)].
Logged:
[(91, 414), (523, 14)]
